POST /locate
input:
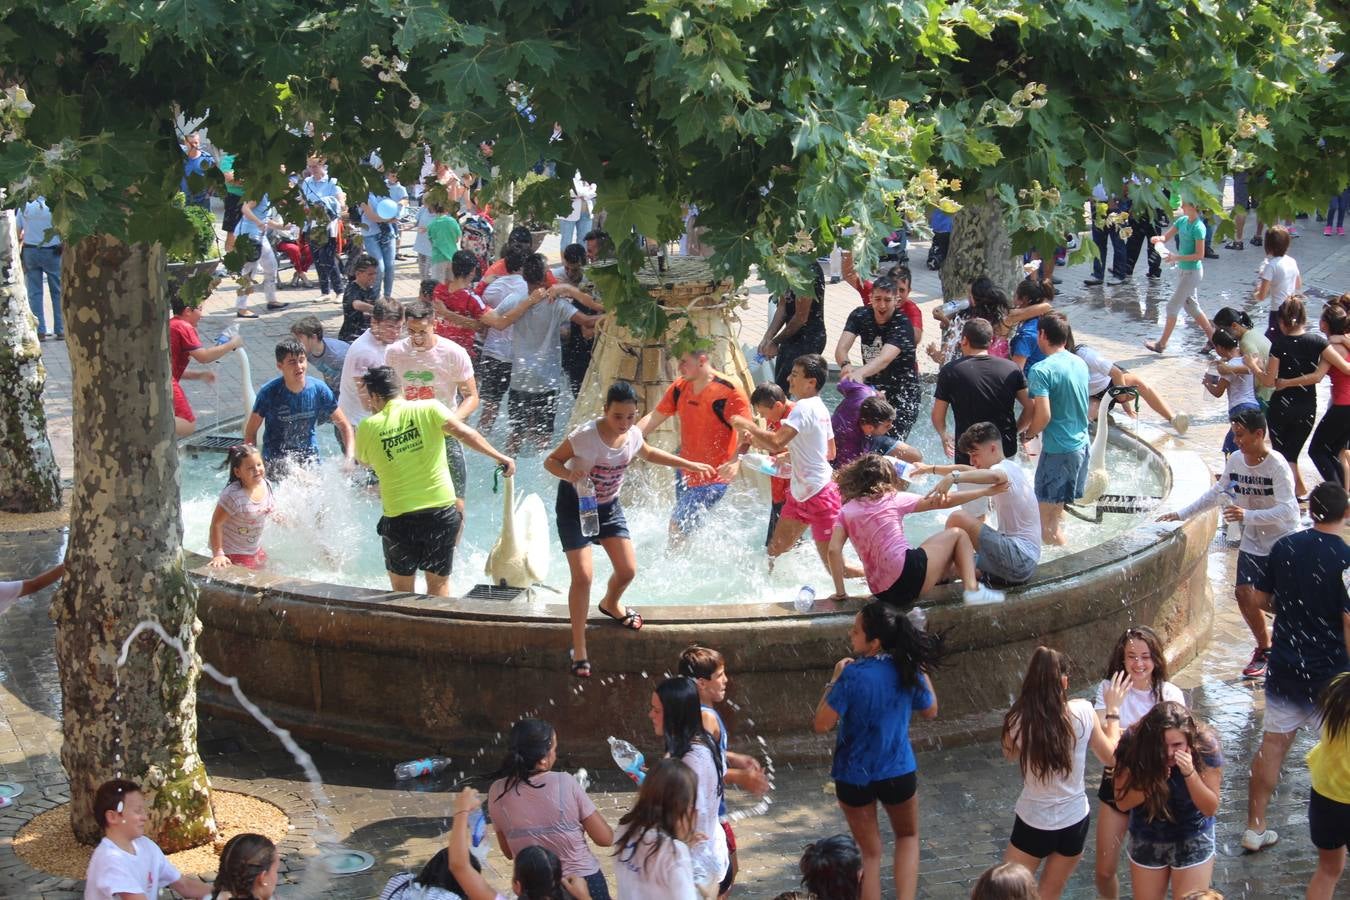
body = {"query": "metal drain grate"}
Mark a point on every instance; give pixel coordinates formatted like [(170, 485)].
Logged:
[(212, 443), (493, 592)]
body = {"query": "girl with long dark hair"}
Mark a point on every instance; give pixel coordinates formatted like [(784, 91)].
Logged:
[(832, 867), (1139, 655), (871, 697), (652, 861), (530, 804), (1049, 736), (1294, 352), (1332, 437), (677, 716), (1329, 802), (1167, 775)]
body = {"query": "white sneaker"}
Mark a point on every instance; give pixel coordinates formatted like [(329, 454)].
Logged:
[(1255, 842), (1180, 422), (983, 596)]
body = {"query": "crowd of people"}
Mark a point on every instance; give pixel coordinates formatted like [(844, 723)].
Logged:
[(401, 379)]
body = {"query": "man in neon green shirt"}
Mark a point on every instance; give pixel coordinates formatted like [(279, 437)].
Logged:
[(403, 441), (1189, 260)]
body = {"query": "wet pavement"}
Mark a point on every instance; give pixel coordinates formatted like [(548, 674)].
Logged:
[(966, 793)]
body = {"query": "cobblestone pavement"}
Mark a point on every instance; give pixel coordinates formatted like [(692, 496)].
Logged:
[(966, 793)]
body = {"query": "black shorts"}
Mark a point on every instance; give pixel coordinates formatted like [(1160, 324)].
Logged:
[(493, 377), (1040, 844), (1328, 822), (1106, 792), (909, 585), (423, 540), (775, 512), (234, 211), (612, 522), (532, 414), (890, 791)]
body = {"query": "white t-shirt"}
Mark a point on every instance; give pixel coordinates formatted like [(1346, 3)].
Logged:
[(1019, 515), (1060, 801), (10, 591), (536, 348), (1282, 273), (668, 874), (113, 871), (606, 465), (1137, 703), (431, 374), (364, 354), (809, 448), (422, 243), (497, 344), (1099, 369), (1241, 388), (714, 850)]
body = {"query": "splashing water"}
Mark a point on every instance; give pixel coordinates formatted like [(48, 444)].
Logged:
[(316, 875)]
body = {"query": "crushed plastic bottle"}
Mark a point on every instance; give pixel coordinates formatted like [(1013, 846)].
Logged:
[(587, 508), (429, 765), (806, 598), (628, 758)]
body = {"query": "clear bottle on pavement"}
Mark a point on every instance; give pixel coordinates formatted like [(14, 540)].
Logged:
[(628, 758), (416, 768), (587, 508), (806, 598)]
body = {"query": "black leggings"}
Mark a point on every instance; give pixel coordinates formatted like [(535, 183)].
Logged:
[(1291, 421), (1331, 437)]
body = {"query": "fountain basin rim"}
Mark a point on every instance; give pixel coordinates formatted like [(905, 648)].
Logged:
[(1179, 468)]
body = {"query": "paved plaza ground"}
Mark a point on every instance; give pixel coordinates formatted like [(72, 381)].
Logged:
[(966, 793)]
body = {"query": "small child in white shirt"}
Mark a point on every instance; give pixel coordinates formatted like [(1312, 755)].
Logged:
[(127, 864)]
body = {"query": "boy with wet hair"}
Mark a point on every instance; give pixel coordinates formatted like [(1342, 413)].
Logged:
[(771, 404), (126, 864), (876, 416), (289, 409), (708, 670)]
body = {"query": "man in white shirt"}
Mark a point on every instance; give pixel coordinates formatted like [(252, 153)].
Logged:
[(365, 353), (1011, 551)]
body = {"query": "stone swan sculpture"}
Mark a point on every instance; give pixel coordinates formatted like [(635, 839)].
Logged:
[(520, 557), (1097, 480)]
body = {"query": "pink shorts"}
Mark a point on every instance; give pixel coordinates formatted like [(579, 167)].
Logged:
[(248, 560), (820, 511)]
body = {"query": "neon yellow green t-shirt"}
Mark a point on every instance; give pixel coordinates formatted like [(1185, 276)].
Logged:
[(1329, 767), (405, 444)]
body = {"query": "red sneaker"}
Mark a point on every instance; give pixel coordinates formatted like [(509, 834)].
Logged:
[(1257, 667)]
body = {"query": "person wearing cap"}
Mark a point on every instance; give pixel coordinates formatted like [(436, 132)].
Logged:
[(1190, 233)]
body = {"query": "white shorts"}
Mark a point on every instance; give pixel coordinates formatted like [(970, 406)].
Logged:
[(1285, 716)]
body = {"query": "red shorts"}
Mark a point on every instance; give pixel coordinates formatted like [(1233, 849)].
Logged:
[(731, 836), (181, 408), (248, 560), (820, 511)]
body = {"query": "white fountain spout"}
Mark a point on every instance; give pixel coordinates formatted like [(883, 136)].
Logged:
[(246, 380), (520, 556), (1096, 478)]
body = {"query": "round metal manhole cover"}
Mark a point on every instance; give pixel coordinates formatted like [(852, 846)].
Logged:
[(347, 862)]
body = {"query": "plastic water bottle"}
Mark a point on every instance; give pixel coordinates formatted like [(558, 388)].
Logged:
[(477, 831), (416, 768), (952, 307), (918, 618), (587, 508), (628, 758), (227, 335), (806, 598)]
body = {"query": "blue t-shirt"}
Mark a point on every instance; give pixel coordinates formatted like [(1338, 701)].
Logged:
[(874, 712), (373, 228), (191, 167), (1309, 598), (1024, 343), (881, 444), (1188, 233), (1062, 377), (263, 210), (289, 419), (1187, 821), (722, 748)]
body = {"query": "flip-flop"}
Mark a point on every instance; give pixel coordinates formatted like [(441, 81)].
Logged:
[(631, 618), (581, 668)]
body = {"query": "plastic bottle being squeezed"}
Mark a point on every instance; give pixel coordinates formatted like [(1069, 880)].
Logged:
[(628, 758)]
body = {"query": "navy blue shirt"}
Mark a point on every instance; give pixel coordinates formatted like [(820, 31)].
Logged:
[(1024, 343), (874, 713), (1309, 598), (289, 419), (1187, 821)]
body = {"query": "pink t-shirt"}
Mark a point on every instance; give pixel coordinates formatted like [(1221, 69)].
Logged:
[(874, 526), (432, 374), (548, 815), (241, 533)]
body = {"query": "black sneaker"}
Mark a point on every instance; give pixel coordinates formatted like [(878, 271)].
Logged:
[(1155, 275), (1235, 245), (1092, 282), (1257, 240), (1210, 254), (1257, 667)]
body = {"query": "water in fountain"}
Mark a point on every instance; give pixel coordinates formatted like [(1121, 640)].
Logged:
[(323, 512), (316, 877)]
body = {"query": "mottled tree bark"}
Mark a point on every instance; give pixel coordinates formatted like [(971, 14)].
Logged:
[(125, 559), (980, 246), (29, 478)]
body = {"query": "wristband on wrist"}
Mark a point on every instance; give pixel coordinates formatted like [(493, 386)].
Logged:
[(1111, 716)]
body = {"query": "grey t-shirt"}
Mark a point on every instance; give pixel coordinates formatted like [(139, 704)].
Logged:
[(536, 348)]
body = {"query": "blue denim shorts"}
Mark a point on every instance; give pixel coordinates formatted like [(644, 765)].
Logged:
[(692, 503), (1182, 853), (1061, 477)]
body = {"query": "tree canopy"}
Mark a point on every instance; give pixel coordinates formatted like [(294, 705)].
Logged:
[(783, 122)]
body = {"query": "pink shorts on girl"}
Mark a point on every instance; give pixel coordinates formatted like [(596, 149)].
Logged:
[(820, 511)]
